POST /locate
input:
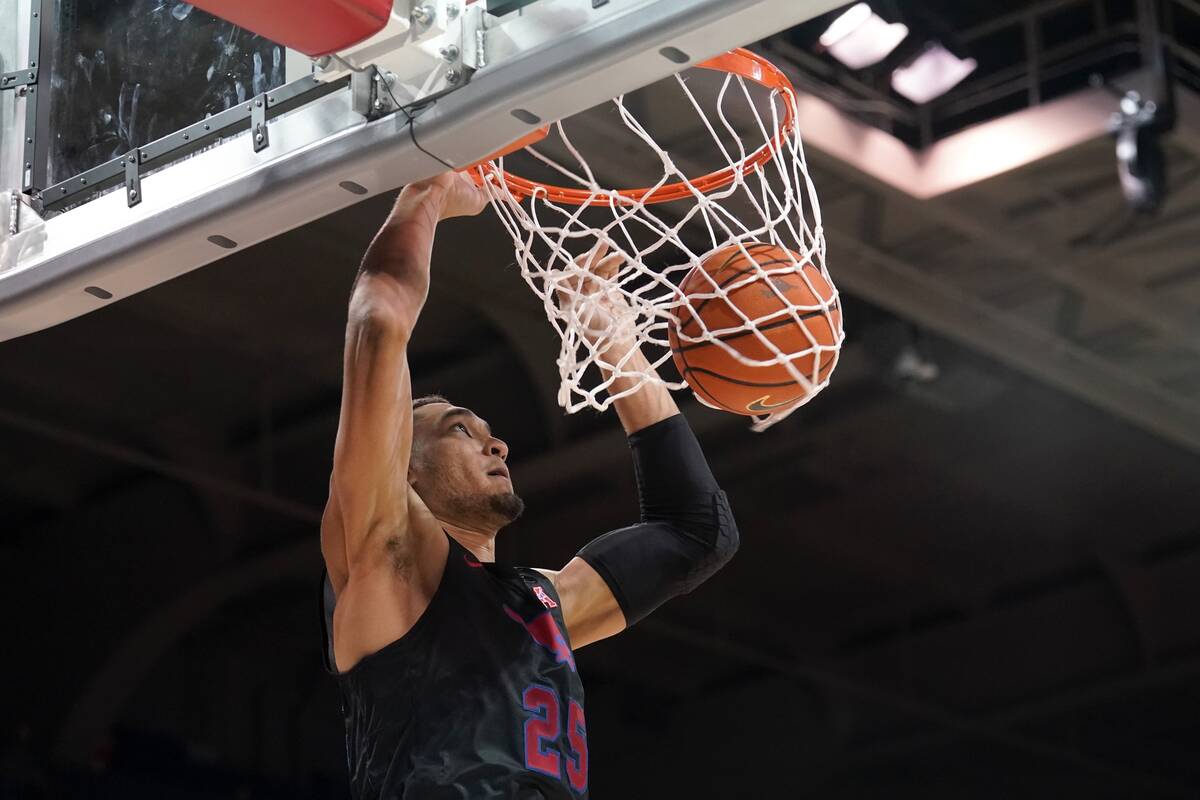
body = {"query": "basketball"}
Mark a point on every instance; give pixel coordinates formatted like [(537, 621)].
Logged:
[(716, 375)]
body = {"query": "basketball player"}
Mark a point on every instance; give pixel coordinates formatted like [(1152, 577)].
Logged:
[(457, 675)]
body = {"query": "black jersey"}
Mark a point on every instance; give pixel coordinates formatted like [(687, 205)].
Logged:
[(480, 699)]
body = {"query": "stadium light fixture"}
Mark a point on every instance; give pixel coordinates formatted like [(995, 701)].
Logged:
[(932, 73), (860, 37), (1141, 159)]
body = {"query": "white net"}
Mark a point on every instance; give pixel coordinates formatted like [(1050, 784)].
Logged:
[(759, 331)]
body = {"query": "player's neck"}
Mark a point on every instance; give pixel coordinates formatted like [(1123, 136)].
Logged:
[(481, 544)]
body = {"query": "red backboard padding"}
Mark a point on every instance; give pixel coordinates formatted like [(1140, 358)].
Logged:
[(314, 27)]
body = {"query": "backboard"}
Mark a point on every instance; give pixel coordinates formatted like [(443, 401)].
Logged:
[(206, 138)]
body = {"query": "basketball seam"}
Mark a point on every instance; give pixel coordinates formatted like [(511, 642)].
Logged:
[(735, 380), (828, 361), (698, 385), (768, 327), (764, 264)]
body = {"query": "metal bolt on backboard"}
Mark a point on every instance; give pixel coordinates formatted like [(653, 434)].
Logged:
[(424, 14), (133, 178), (258, 124)]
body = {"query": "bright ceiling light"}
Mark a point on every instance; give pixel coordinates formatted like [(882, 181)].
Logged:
[(860, 37), (846, 23), (931, 74)]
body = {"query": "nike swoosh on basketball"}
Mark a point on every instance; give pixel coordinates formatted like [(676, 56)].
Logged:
[(761, 404)]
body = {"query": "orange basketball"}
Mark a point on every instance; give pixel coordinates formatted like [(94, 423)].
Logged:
[(716, 375)]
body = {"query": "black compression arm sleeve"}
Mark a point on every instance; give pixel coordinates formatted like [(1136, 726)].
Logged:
[(687, 531)]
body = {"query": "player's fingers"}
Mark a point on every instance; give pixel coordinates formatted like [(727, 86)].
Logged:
[(565, 296), (565, 287), (587, 264), (608, 267), (589, 260), (568, 286), (477, 193), (576, 283), (568, 278)]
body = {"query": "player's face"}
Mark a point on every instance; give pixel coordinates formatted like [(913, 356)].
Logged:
[(458, 468)]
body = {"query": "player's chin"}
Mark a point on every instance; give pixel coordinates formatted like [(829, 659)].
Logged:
[(507, 505)]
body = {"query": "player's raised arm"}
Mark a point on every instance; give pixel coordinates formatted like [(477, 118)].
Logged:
[(369, 493), (686, 532)]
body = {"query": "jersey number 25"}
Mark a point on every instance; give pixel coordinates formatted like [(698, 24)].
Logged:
[(543, 734)]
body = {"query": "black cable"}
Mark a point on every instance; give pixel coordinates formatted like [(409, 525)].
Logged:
[(425, 101)]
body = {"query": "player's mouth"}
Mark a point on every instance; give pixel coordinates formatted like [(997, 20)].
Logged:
[(501, 472)]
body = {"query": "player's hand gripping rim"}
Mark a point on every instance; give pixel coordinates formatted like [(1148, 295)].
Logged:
[(457, 194)]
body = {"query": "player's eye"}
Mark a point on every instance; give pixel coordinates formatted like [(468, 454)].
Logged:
[(460, 426)]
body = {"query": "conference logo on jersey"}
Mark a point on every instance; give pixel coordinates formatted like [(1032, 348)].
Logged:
[(546, 599), (545, 632)]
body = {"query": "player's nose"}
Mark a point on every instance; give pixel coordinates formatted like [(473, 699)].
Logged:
[(498, 448)]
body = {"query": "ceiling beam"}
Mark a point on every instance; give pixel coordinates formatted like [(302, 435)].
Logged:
[(905, 290), (1101, 282), (912, 293), (970, 218), (938, 174), (119, 453)]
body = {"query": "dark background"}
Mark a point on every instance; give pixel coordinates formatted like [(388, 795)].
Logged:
[(978, 585)]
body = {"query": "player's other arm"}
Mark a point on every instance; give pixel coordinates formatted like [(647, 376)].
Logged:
[(368, 490), (685, 535)]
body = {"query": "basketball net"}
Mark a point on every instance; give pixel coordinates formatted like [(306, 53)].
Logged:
[(762, 194)]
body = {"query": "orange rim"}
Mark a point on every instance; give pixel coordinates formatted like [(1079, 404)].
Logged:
[(742, 62)]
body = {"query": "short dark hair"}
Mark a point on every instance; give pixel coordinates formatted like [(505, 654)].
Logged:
[(428, 399)]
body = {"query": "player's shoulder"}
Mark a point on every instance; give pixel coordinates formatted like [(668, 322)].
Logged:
[(549, 574)]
